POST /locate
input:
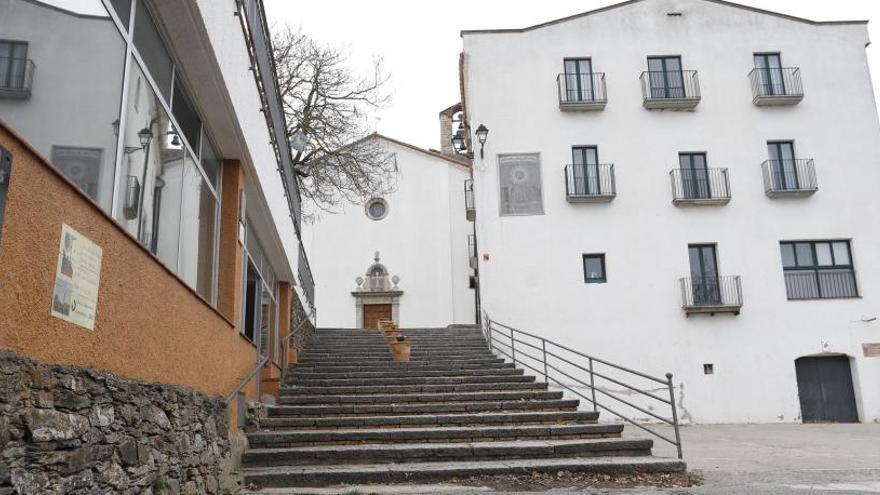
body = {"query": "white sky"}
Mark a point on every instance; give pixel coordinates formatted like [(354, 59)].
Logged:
[(419, 41)]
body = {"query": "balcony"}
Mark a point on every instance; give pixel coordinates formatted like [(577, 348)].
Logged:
[(590, 183), (670, 90), (472, 251), (821, 284), (582, 92), (470, 209), (700, 187), (776, 87), (711, 295), (16, 78), (789, 178)]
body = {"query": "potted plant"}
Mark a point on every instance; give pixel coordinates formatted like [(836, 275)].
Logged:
[(400, 349)]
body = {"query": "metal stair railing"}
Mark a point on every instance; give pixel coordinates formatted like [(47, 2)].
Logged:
[(546, 358)]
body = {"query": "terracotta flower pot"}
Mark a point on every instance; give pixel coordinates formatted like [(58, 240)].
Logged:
[(400, 351)]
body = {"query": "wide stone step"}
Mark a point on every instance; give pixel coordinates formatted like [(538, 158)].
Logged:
[(359, 353), (419, 408), (408, 389), (439, 471), (441, 398), (438, 452), (434, 420), (283, 439), (411, 373), (383, 346), (411, 380), (387, 359), (406, 367)]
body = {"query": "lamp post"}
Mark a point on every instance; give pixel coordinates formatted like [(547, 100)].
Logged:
[(145, 136)]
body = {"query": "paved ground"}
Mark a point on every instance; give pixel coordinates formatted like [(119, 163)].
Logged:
[(740, 460)]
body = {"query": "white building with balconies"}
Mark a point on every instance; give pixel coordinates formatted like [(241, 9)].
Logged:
[(687, 186)]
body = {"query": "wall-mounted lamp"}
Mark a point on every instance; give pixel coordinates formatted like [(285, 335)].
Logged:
[(482, 133), (298, 141), (115, 125), (145, 136)]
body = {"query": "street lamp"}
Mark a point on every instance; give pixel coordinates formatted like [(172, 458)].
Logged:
[(482, 133), (145, 136)]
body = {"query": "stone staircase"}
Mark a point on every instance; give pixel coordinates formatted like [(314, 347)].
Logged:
[(349, 414)]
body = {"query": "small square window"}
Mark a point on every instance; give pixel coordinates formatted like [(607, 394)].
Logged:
[(708, 369), (594, 269)]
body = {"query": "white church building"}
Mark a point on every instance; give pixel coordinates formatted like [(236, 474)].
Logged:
[(402, 256)]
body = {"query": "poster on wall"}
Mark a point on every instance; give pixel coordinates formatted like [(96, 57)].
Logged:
[(77, 274)]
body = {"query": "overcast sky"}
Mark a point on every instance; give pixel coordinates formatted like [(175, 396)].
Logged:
[(419, 41)]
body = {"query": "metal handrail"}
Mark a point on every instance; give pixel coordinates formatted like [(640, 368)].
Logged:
[(244, 381), (508, 342)]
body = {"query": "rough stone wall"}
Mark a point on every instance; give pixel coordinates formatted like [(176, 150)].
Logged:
[(75, 430)]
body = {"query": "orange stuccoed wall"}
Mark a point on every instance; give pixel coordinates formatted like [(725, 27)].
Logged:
[(150, 326)]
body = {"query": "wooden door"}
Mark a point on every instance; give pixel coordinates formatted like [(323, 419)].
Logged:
[(375, 312)]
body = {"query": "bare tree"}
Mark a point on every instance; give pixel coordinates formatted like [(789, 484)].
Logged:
[(329, 104)]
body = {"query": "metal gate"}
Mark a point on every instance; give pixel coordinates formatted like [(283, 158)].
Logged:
[(825, 388)]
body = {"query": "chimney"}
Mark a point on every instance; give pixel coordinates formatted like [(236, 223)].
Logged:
[(447, 122)]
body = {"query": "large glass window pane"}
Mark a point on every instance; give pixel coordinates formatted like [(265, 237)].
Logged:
[(823, 254), (788, 260), (197, 232), (151, 174), (186, 116), (152, 49), (75, 96), (804, 254), (210, 162), (123, 10), (841, 254)]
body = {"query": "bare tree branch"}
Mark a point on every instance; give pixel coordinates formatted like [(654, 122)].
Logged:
[(326, 100)]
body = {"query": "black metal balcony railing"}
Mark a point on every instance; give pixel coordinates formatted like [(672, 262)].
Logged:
[(582, 91), (821, 284), (590, 183), (700, 186), (789, 177), (780, 86), (16, 77), (470, 209), (306, 279), (711, 294), (670, 89)]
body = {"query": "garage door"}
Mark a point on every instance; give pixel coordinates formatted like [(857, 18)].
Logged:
[(826, 390)]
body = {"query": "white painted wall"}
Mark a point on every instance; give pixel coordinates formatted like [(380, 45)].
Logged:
[(423, 240), (534, 280)]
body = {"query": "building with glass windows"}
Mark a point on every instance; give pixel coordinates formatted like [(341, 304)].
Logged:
[(687, 186), (149, 133)]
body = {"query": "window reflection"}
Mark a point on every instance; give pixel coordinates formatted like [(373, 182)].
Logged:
[(72, 65), (151, 172), (197, 233)]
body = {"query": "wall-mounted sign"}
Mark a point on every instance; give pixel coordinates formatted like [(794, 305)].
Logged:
[(5, 176), (871, 350), (75, 297)]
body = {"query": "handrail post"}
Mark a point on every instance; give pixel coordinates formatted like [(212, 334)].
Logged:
[(512, 347), (674, 414), (593, 387), (544, 350)]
